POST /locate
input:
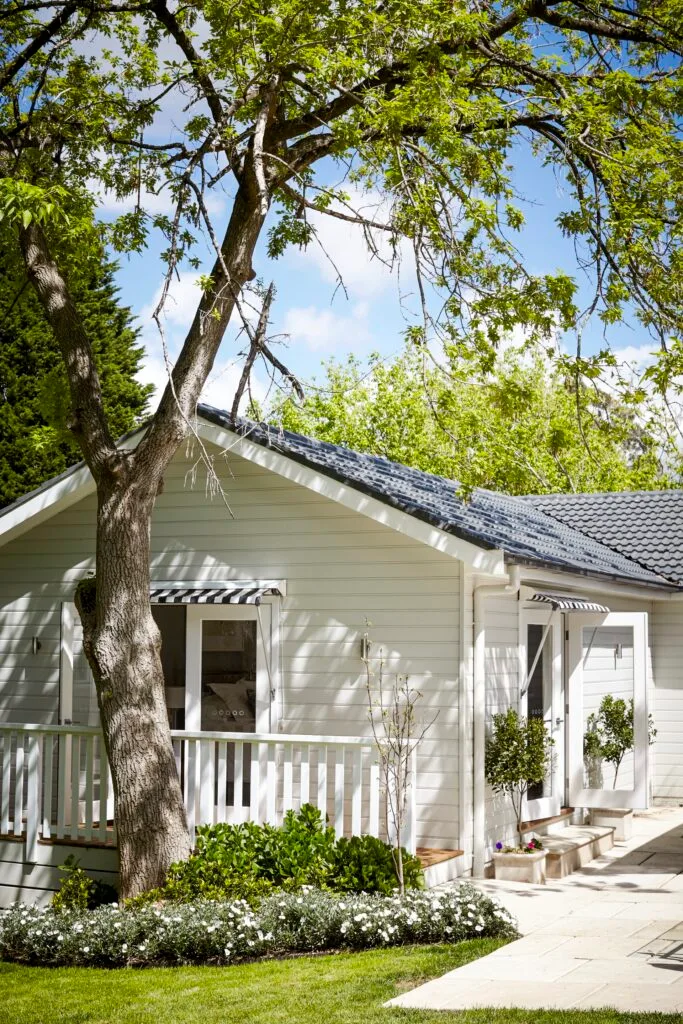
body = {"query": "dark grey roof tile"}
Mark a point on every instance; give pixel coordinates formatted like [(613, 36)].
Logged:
[(525, 533)]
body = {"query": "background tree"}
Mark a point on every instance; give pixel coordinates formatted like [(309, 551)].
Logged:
[(516, 427), (35, 442), (428, 102)]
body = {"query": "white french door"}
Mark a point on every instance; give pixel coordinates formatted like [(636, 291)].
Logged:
[(607, 669), (542, 696), (228, 668)]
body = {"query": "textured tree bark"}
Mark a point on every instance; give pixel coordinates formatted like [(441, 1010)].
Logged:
[(122, 644), (121, 639)]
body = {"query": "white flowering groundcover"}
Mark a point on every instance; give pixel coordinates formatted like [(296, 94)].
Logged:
[(223, 933)]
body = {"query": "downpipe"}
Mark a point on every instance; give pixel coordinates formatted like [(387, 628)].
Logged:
[(481, 593)]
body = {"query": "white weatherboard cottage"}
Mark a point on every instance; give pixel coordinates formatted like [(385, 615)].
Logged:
[(544, 604)]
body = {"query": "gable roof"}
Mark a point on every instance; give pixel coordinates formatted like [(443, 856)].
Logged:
[(647, 526), (496, 521), (526, 533)]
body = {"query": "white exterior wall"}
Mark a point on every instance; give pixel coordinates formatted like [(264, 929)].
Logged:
[(340, 568), (667, 632)]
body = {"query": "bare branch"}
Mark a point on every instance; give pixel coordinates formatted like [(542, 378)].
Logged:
[(256, 344)]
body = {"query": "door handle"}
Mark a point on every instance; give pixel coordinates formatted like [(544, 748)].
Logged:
[(559, 721)]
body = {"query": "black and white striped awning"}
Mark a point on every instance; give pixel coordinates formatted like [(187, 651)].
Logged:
[(567, 603), (251, 593)]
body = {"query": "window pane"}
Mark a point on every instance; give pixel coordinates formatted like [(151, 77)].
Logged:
[(228, 676)]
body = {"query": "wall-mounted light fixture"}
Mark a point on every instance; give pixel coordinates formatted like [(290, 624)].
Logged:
[(365, 645), (35, 644)]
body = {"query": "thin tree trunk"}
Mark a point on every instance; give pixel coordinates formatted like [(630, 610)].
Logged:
[(122, 644)]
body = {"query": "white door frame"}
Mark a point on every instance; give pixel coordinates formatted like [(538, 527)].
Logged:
[(637, 797), (267, 659), (547, 807)]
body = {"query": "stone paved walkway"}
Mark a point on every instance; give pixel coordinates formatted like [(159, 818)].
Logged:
[(610, 935)]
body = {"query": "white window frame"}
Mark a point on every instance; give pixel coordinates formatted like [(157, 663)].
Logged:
[(550, 806), (268, 673)]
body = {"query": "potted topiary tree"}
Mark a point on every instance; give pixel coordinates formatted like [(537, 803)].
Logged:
[(518, 755), (608, 738)]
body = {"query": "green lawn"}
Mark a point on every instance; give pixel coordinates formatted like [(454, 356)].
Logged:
[(346, 988)]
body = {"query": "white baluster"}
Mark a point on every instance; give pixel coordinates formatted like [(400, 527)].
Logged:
[(339, 793), (33, 798)]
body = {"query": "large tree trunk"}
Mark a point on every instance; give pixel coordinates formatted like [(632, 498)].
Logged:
[(121, 640), (122, 644)]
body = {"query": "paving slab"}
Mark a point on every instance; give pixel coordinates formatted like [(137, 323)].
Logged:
[(634, 998), (609, 935)]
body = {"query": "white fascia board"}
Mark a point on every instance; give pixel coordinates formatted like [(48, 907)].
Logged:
[(490, 562), (46, 503), (532, 579)]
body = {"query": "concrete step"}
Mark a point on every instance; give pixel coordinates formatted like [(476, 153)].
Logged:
[(573, 846)]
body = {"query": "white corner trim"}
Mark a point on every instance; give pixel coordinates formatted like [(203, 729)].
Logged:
[(482, 560)]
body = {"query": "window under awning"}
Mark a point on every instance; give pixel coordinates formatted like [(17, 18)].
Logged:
[(225, 593), (568, 603)]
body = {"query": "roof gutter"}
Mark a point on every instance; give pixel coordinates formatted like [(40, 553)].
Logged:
[(564, 578), (481, 593)]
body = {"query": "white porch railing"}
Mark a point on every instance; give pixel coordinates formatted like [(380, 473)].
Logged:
[(55, 782)]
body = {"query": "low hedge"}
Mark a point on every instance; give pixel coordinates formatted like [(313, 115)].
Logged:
[(209, 932), (249, 861)]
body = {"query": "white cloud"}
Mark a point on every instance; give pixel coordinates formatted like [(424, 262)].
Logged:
[(322, 330), (342, 250)]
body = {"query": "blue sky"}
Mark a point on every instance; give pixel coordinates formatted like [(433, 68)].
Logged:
[(315, 319)]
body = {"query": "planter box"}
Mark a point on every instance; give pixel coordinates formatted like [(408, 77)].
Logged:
[(520, 867), (618, 818)]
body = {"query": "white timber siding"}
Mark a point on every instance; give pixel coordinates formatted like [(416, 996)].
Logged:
[(502, 692), (340, 568), (504, 666), (666, 629), (38, 882)]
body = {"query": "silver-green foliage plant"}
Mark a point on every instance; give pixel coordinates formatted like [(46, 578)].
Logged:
[(209, 932), (518, 755)]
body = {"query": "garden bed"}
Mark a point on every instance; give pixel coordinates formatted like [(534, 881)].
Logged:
[(209, 932)]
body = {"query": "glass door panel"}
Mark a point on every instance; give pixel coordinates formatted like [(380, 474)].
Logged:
[(542, 698), (608, 710), (228, 676)]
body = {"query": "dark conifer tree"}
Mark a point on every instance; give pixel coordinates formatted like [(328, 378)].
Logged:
[(35, 443)]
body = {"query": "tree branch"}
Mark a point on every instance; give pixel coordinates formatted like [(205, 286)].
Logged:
[(89, 421), (256, 340), (170, 22), (37, 43)]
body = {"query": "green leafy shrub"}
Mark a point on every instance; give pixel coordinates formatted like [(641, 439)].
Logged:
[(248, 861), (222, 933), (366, 864), (78, 891)]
